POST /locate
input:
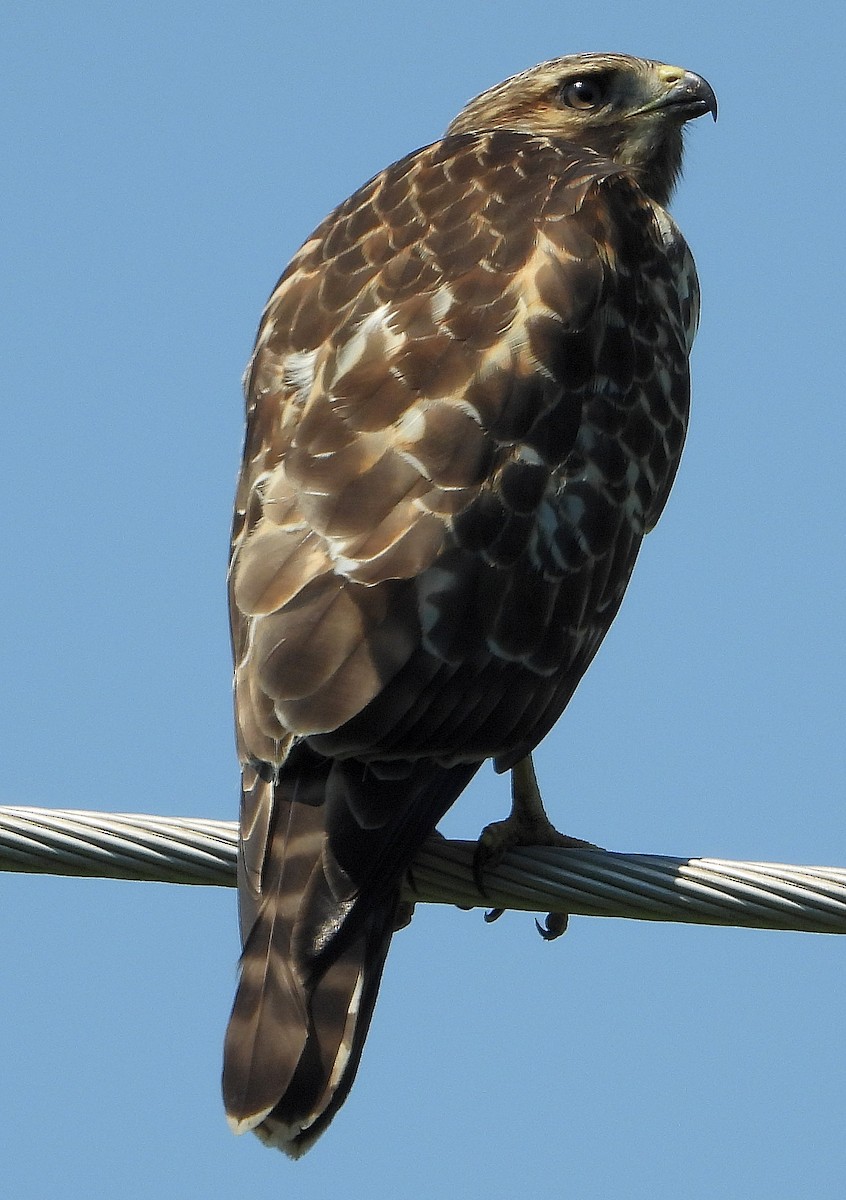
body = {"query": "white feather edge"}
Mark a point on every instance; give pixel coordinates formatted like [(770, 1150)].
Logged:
[(281, 1135)]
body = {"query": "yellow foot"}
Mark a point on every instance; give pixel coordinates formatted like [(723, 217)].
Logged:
[(528, 825)]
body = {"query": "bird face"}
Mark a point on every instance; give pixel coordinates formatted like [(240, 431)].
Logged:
[(630, 110)]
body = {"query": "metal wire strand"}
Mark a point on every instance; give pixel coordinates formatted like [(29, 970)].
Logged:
[(647, 887)]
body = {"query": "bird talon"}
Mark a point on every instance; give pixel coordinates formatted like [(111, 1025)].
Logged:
[(528, 825), (490, 848), (554, 925), (493, 914)]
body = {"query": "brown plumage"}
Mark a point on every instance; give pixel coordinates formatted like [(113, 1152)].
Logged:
[(466, 406)]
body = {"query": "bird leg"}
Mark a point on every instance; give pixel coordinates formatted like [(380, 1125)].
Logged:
[(526, 825)]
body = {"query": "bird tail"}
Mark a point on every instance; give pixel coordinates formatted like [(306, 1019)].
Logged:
[(324, 847)]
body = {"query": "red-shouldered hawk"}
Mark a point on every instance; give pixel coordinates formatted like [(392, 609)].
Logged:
[(465, 408)]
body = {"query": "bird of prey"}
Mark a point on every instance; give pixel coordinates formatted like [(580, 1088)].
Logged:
[(465, 407)]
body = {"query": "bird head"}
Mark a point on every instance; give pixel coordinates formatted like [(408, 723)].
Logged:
[(630, 110)]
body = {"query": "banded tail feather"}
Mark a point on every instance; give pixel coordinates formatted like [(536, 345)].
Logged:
[(317, 917)]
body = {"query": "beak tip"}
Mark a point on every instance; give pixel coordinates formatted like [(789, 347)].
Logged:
[(696, 92), (707, 94)]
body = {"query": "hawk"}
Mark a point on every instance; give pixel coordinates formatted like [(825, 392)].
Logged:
[(465, 407)]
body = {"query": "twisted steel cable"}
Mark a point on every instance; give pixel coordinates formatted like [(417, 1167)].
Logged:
[(591, 882)]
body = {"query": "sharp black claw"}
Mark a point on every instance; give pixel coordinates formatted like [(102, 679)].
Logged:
[(493, 914), (554, 925)]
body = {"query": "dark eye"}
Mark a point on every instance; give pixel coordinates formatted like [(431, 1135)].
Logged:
[(583, 93)]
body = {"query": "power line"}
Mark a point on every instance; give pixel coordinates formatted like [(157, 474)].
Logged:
[(539, 879)]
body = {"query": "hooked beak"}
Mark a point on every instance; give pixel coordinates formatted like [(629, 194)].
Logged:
[(689, 97)]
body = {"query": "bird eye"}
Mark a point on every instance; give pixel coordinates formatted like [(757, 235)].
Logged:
[(583, 93)]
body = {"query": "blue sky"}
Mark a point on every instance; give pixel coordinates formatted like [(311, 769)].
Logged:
[(160, 165)]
